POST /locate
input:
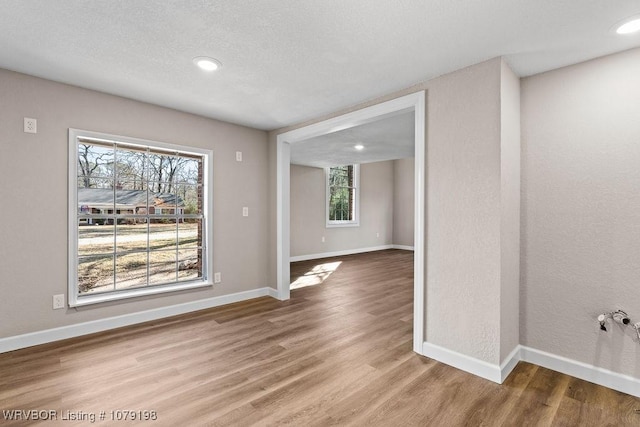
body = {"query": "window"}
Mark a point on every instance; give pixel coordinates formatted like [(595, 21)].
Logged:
[(342, 195), (138, 214)]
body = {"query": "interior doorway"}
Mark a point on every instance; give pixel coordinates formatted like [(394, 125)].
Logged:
[(414, 102)]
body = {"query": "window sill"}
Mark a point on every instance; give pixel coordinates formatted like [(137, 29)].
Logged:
[(84, 300), (343, 224)]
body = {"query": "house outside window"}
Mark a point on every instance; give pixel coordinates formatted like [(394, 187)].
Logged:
[(342, 196), (138, 214)]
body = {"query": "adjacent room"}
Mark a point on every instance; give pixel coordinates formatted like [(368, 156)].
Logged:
[(294, 212)]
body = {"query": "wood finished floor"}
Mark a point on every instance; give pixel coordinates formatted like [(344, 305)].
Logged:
[(337, 353)]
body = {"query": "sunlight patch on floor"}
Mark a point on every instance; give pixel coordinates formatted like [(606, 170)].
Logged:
[(316, 275)]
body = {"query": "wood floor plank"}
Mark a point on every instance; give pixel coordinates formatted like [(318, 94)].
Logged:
[(541, 398), (337, 353)]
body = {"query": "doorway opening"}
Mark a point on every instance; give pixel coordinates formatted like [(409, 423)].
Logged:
[(410, 103)]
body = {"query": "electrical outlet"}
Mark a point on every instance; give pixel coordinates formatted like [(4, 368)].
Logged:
[(245, 211), (58, 301), (377, 234), (322, 239), (30, 125), (217, 277), (238, 156)]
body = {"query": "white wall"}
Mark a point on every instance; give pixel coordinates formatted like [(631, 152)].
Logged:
[(463, 212), (581, 210), (33, 218), (403, 196), (308, 221)]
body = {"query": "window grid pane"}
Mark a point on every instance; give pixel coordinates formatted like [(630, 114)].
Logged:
[(341, 193), (140, 217), (95, 274)]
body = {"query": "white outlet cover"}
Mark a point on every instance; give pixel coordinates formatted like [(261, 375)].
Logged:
[(217, 277), (245, 211), (58, 301), (238, 156), (30, 125)]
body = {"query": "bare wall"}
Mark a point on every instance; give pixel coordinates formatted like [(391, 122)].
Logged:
[(33, 221), (308, 218), (581, 210), (463, 212), (403, 196)]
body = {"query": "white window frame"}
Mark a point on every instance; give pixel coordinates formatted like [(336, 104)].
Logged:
[(74, 298), (356, 209)]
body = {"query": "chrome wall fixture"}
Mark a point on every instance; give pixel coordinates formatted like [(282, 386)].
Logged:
[(620, 317)]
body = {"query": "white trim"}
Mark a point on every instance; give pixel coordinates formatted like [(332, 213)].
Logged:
[(509, 363), (472, 365), (604, 377), (89, 299), (402, 247), (283, 229), (420, 223), (339, 253), (72, 218), (273, 293), (79, 329), (415, 102), (342, 224), (463, 362)]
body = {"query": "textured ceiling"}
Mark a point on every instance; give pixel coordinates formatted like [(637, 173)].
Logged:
[(386, 139), (287, 61)]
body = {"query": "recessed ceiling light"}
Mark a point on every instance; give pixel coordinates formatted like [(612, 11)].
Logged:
[(359, 147), (629, 26), (206, 63)]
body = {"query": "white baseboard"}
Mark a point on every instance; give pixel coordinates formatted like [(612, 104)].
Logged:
[(510, 363), (624, 383), (463, 362), (613, 380), (403, 247), (72, 331), (273, 293), (339, 253)]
